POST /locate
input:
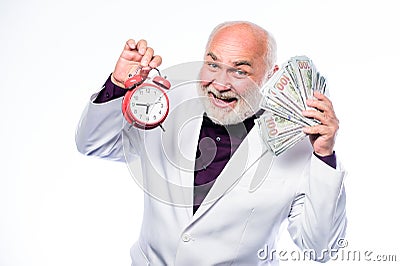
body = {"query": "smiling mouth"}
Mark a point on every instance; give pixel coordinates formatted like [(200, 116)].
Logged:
[(222, 101)]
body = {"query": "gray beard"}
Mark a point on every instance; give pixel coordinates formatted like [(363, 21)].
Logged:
[(246, 105)]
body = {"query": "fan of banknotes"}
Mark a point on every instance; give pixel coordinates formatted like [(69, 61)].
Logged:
[(284, 98)]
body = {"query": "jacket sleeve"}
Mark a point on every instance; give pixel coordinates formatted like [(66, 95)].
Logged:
[(100, 129), (317, 220)]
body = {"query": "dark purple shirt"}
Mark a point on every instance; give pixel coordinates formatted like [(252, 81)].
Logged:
[(215, 147), (109, 92)]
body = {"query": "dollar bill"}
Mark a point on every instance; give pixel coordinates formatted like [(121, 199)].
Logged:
[(285, 90), (281, 145), (277, 127), (284, 98), (305, 72), (320, 83), (278, 109), (279, 133)]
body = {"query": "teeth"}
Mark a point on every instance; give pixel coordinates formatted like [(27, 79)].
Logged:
[(224, 98), (228, 99)]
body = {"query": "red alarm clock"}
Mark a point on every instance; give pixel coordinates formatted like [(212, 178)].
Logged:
[(146, 104)]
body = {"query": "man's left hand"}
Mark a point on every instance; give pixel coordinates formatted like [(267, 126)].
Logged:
[(322, 136)]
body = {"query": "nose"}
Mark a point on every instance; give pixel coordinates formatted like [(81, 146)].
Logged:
[(221, 81), (220, 86)]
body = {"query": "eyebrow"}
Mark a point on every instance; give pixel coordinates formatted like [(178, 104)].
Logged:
[(242, 62), (237, 63), (212, 55)]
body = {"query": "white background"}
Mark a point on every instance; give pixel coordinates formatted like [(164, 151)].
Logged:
[(58, 207)]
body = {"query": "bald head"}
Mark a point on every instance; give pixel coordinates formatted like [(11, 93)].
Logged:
[(250, 34)]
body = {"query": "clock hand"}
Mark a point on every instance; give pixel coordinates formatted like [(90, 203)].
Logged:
[(144, 104)]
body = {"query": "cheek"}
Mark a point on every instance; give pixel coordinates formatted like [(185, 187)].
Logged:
[(243, 86), (205, 76)]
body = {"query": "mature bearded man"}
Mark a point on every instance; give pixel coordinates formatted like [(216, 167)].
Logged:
[(206, 214), (236, 64)]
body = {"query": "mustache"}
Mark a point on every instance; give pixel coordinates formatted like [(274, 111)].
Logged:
[(208, 88)]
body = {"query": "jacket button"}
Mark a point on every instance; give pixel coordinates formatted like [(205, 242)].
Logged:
[(186, 237)]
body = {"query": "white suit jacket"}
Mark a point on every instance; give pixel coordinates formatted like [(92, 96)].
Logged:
[(236, 219)]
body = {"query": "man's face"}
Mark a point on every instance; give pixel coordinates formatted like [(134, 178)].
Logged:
[(231, 75)]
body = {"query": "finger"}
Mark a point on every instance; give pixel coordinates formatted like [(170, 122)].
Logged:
[(130, 53), (322, 117), (156, 61), (144, 71), (147, 57), (322, 105), (314, 130), (322, 98), (130, 45), (141, 46)]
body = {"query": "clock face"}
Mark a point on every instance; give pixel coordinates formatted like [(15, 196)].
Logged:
[(148, 105)]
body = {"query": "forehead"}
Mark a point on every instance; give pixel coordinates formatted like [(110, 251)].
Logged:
[(233, 44)]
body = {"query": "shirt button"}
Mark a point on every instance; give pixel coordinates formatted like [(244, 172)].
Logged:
[(186, 237), (218, 139), (107, 95)]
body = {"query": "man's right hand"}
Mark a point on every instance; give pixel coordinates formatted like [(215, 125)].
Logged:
[(133, 56)]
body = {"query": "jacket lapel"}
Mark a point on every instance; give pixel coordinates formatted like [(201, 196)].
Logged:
[(186, 128), (248, 153), (188, 134)]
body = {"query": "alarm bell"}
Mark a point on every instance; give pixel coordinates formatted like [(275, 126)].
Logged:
[(146, 104)]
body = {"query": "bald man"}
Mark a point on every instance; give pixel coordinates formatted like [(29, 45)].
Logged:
[(200, 205)]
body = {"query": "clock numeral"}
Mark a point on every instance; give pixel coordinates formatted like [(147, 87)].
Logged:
[(154, 117), (147, 90)]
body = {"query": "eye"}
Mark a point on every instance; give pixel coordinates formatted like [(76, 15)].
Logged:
[(212, 66), (239, 73)]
